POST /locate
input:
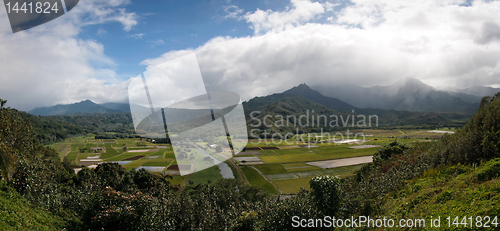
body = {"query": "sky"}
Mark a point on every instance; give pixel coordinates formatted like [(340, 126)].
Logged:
[(253, 48)]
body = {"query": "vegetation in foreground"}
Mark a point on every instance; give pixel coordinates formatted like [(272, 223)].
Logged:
[(452, 172)]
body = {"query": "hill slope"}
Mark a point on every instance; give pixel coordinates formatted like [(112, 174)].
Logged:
[(450, 192), (480, 91), (84, 107), (18, 214), (317, 97), (300, 99), (407, 94)]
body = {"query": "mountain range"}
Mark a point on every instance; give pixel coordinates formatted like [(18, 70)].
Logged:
[(479, 91), (301, 100), (407, 99), (83, 107), (408, 95)]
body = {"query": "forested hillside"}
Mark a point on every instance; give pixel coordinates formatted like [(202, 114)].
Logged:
[(51, 129)]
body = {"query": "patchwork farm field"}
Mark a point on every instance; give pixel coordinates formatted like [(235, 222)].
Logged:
[(280, 168)]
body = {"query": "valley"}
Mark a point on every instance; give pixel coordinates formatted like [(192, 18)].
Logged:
[(282, 167)]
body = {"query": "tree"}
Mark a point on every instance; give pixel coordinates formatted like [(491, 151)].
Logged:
[(15, 139), (325, 193), (384, 153)]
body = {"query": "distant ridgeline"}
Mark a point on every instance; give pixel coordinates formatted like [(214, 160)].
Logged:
[(50, 129), (302, 109), (299, 110)]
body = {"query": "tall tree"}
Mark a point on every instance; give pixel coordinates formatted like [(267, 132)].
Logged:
[(15, 139)]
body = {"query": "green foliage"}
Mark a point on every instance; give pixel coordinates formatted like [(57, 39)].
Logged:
[(325, 193), (51, 129), (446, 193), (490, 170), (15, 139), (389, 150), (255, 178), (479, 139), (277, 214), (18, 214), (395, 166)]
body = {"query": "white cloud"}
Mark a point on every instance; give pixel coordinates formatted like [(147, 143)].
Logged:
[(157, 42), (302, 11), (101, 32), (367, 43), (232, 11), (49, 64), (137, 36)]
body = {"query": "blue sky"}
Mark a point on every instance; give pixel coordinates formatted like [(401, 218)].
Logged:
[(254, 48), (171, 25)]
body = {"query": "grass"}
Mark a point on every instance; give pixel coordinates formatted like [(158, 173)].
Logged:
[(304, 169), (308, 174), (177, 180), (282, 176), (254, 178), (72, 155), (159, 162), (292, 186), (18, 214), (340, 171), (293, 165), (211, 175), (271, 159), (453, 191), (135, 164), (126, 155), (110, 152), (168, 154), (268, 169)]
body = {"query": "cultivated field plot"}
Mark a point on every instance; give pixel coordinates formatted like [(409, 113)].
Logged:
[(152, 168), (248, 160), (89, 151), (288, 167), (282, 176), (313, 154), (138, 150), (282, 167), (342, 162), (134, 158), (250, 153), (292, 186), (364, 146)]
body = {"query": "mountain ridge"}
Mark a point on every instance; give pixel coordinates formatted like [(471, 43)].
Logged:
[(404, 95), (83, 107)]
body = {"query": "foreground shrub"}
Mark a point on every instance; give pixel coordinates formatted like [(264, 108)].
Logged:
[(489, 171), (325, 194)]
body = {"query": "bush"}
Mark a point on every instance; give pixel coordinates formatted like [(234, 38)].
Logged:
[(389, 150), (325, 193), (489, 171)]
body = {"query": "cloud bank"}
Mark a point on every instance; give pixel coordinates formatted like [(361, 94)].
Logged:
[(447, 44), (49, 64)]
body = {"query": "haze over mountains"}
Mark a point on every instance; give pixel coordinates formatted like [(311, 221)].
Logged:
[(302, 99), (84, 107), (407, 95), (479, 91)]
